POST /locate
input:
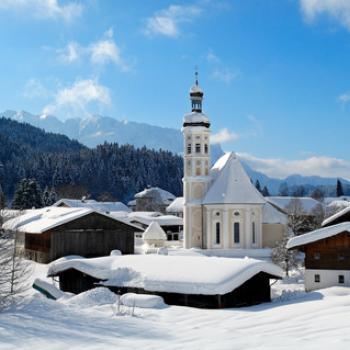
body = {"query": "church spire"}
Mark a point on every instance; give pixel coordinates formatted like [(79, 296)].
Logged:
[(196, 95)]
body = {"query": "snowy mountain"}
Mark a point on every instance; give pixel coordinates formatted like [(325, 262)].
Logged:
[(99, 129)]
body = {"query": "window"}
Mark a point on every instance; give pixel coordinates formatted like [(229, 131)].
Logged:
[(236, 232), (206, 149), (217, 233), (217, 213), (198, 171), (236, 213), (189, 148), (198, 148), (317, 278), (341, 279), (253, 233), (176, 237), (189, 170), (317, 256)]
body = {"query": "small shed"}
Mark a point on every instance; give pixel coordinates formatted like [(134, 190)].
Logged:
[(327, 256), (53, 232), (206, 282), (154, 235)]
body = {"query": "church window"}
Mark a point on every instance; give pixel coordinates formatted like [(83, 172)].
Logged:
[(188, 170), (198, 171), (217, 233), (189, 148), (198, 148), (206, 148), (253, 233), (217, 213), (236, 213), (236, 232), (206, 171)]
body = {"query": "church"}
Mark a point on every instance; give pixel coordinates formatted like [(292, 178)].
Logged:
[(222, 208)]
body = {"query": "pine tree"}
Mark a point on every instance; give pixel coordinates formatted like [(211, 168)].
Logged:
[(28, 195), (283, 189), (265, 192), (339, 189), (318, 194), (2, 199), (257, 185)]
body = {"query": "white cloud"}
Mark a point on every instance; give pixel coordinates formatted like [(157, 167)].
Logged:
[(34, 88), (224, 135), (344, 98), (338, 10), (224, 75), (212, 58), (167, 21), (316, 165), (73, 101), (100, 52), (44, 9)]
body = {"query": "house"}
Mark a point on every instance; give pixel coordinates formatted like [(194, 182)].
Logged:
[(327, 256), (151, 199), (340, 216), (172, 225), (180, 280), (104, 207), (46, 234), (176, 207)]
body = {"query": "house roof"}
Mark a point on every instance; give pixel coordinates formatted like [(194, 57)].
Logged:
[(273, 215), (318, 235), (91, 203), (154, 231), (156, 193), (42, 220), (336, 216), (176, 206), (163, 220), (172, 274), (231, 184), (308, 203)]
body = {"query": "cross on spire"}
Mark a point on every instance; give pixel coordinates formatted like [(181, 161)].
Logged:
[(196, 74)]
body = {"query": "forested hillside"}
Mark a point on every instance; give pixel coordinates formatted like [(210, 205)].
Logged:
[(55, 161)]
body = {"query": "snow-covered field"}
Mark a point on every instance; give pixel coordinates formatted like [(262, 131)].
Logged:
[(294, 320)]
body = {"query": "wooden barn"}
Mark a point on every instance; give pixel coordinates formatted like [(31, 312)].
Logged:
[(327, 256), (44, 235), (337, 218), (179, 280)]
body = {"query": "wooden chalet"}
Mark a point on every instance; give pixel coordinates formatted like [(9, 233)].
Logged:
[(50, 233), (327, 256)]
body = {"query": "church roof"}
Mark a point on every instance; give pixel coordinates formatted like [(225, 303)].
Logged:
[(231, 184), (196, 117), (154, 231)]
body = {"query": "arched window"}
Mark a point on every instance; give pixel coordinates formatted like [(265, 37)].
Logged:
[(189, 148), (253, 233), (217, 233), (206, 149), (198, 148), (236, 233)]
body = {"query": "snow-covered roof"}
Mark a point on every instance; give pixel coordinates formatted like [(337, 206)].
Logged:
[(157, 193), (272, 215), (196, 117), (308, 203), (328, 200), (319, 234), (336, 216), (195, 88), (154, 231), (176, 206), (338, 204), (231, 183), (162, 220), (172, 274), (42, 220), (91, 203)]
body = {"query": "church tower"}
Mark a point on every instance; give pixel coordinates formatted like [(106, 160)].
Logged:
[(196, 180)]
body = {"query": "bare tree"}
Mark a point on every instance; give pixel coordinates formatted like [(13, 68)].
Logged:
[(14, 269), (281, 256)]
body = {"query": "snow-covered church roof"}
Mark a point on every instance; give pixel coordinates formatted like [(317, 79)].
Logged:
[(231, 183), (154, 231), (196, 117)]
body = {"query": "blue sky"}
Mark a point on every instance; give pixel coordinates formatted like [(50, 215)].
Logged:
[(276, 73)]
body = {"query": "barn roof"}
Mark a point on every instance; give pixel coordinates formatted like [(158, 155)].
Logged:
[(231, 183), (318, 235), (308, 203), (336, 216), (105, 207), (172, 274), (42, 220)]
